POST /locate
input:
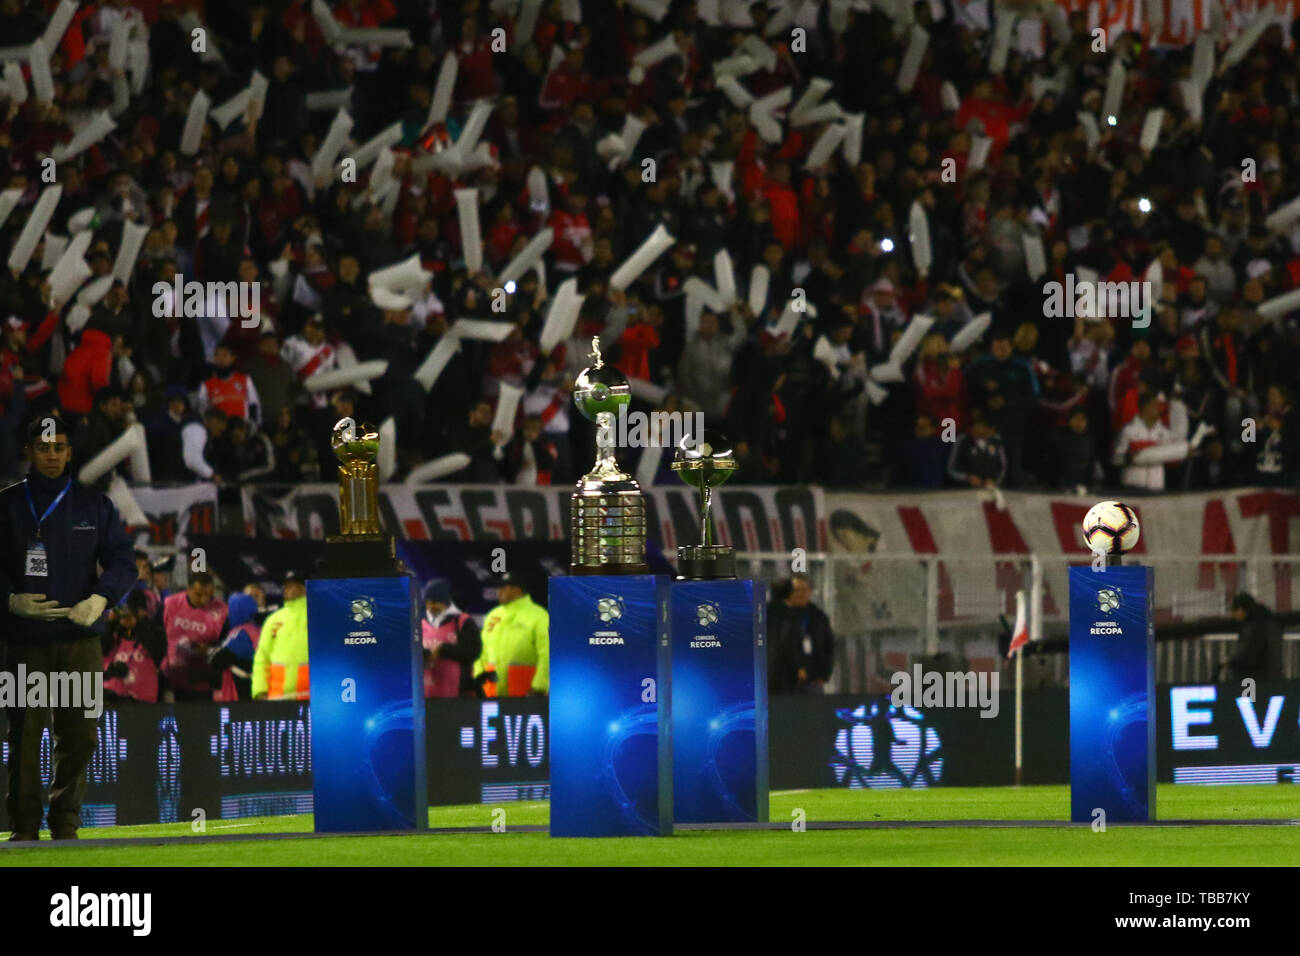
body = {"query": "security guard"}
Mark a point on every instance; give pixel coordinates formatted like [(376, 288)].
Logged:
[(516, 642), (280, 665), (64, 558)]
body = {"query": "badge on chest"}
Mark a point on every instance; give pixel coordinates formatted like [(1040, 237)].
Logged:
[(38, 563)]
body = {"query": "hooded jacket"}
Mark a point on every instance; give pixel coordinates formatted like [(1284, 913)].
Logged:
[(234, 657), (88, 368), (280, 665)]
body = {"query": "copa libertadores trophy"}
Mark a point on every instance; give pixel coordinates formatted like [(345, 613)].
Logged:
[(704, 462), (367, 743), (607, 513), (611, 747)]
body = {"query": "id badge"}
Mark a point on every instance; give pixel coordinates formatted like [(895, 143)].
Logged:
[(38, 564), (807, 647)]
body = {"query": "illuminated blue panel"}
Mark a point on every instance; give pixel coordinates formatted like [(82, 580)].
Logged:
[(611, 746), (719, 708), (1112, 695), (367, 705)]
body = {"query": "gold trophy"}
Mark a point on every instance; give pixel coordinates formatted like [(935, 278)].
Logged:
[(356, 447)]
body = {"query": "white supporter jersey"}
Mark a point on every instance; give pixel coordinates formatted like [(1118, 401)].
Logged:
[(1135, 436), (545, 397), (306, 360)]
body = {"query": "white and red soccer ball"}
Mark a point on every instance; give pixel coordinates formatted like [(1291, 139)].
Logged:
[(1111, 527)]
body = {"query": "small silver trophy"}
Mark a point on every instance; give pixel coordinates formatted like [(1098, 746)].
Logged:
[(704, 462), (607, 511)]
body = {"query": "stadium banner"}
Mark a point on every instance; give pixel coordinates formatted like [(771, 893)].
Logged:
[(161, 763), (1205, 734), (719, 696), (1112, 691), (971, 530), (757, 518), (611, 736), (1212, 734), (494, 750), (191, 763), (175, 513)]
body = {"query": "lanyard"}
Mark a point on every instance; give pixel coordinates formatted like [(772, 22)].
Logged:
[(53, 504)]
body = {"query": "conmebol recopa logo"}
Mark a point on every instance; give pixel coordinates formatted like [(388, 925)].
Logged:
[(362, 611), (706, 615), (1108, 601), (608, 610)]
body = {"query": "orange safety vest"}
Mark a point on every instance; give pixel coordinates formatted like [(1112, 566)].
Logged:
[(275, 684), (519, 679)]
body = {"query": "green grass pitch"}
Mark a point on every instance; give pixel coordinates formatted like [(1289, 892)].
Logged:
[(947, 846)]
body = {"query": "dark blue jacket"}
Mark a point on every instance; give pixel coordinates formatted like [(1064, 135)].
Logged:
[(88, 552)]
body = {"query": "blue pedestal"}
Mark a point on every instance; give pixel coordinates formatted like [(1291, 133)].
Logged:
[(1112, 695), (719, 704), (611, 750), (367, 705)]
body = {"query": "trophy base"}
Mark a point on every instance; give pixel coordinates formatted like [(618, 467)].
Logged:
[(701, 562), (359, 556), (580, 570)]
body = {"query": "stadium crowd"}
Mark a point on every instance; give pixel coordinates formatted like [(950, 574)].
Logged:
[(1037, 401)]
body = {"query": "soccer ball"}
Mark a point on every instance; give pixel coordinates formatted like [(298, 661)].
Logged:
[(609, 609), (1111, 527)]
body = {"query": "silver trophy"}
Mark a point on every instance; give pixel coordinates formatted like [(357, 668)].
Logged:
[(607, 511), (704, 462)]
